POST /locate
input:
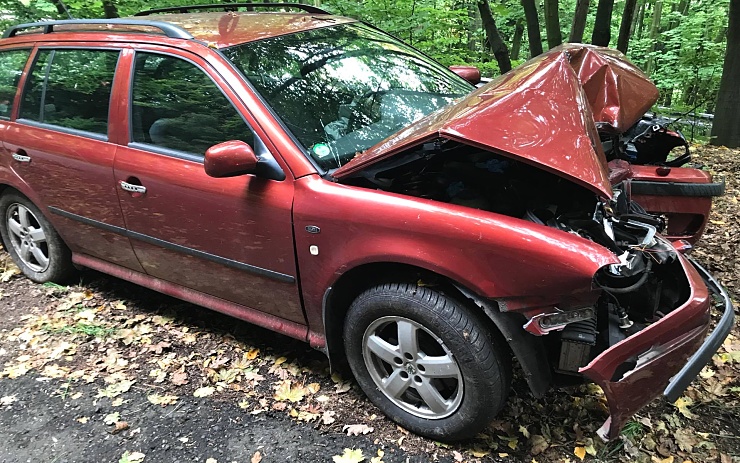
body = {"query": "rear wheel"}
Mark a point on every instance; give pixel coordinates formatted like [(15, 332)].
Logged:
[(426, 361), (32, 242)]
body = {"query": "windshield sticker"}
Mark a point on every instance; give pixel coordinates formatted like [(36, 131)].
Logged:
[(321, 150)]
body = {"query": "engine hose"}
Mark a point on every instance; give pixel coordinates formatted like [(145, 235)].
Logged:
[(632, 287)]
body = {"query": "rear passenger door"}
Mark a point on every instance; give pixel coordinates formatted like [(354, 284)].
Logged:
[(12, 63), (60, 148)]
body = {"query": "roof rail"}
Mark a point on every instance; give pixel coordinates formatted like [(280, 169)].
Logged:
[(232, 6), (170, 30)]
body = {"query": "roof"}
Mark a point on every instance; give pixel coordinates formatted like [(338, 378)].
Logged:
[(218, 29), (232, 28)]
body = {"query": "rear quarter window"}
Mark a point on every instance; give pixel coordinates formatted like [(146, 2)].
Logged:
[(12, 63), (71, 88)]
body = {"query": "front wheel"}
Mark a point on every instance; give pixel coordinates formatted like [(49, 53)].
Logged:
[(426, 361), (32, 242)]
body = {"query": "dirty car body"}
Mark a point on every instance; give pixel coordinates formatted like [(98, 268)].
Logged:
[(376, 209)]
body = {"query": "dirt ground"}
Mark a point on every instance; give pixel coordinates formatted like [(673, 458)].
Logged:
[(105, 371)]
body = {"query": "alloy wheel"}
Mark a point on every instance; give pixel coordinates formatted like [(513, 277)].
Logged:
[(27, 237), (412, 367)]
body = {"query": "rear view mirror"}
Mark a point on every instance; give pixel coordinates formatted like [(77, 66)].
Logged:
[(469, 73), (229, 159)]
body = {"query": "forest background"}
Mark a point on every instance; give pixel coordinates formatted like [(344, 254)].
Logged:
[(680, 44)]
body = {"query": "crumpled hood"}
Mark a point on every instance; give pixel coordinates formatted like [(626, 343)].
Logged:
[(618, 92), (539, 113)]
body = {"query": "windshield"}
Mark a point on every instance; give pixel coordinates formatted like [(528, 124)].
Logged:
[(342, 89)]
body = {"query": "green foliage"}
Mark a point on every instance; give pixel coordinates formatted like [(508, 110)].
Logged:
[(687, 53)]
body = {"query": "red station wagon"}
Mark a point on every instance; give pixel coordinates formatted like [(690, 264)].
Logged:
[(310, 174)]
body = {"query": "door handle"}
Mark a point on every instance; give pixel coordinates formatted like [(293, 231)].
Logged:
[(21, 156), (132, 188)]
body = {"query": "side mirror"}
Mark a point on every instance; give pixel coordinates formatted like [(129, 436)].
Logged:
[(469, 73), (229, 159)]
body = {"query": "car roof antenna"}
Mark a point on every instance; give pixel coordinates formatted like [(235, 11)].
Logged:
[(66, 10)]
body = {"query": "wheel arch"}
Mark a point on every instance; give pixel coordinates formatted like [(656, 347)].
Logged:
[(526, 348)]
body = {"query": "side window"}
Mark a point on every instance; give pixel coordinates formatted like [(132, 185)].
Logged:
[(177, 106), (11, 68), (71, 88)]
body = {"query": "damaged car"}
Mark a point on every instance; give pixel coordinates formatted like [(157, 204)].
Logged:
[(313, 175), (641, 148)]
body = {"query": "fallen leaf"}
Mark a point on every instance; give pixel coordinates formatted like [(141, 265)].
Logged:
[(379, 458), (256, 458), (580, 452), (349, 456), (253, 353), (685, 439), (287, 392), (538, 444), (120, 426), (8, 399), (116, 389), (342, 387), (328, 417), (162, 400), (357, 429), (111, 418), (82, 419), (211, 460), (682, 405), (304, 415), (204, 391), (179, 378), (135, 457)]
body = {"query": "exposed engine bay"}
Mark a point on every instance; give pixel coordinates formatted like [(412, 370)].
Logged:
[(647, 284)]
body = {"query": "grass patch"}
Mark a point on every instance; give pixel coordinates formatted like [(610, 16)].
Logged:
[(633, 429), (88, 329), (55, 288)]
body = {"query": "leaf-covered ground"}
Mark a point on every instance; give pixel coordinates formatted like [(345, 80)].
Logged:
[(107, 371)]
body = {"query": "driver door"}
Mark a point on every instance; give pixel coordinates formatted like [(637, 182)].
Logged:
[(226, 237)]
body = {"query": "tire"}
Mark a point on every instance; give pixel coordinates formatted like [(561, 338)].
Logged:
[(32, 242), (454, 354)]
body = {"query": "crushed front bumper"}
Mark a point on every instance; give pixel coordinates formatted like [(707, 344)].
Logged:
[(662, 350)]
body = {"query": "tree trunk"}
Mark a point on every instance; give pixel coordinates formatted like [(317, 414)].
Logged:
[(579, 21), (61, 9), (726, 126), (499, 48), (681, 8), (637, 17), (641, 18), (110, 9), (654, 29), (603, 23), (624, 29), (516, 43), (533, 28), (552, 24)]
